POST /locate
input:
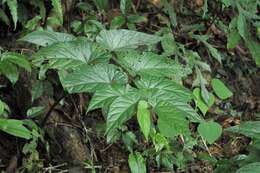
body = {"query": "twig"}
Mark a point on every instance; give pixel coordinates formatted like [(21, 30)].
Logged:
[(204, 143), (47, 115)]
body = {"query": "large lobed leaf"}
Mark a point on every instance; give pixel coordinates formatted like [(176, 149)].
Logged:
[(157, 90), (152, 64), (92, 78), (121, 110), (65, 55), (122, 39), (45, 38)]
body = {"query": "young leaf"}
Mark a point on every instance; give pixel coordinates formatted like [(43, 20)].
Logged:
[(12, 4), (220, 89), (249, 128), (210, 131), (171, 122), (45, 38), (120, 111), (136, 163), (200, 103), (250, 168), (144, 118), (15, 127), (122, 39), (92, 78)]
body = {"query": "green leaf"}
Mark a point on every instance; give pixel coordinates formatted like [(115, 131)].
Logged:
[(144, 118), (57, 6), (250, 168), (12, 4), (120, 111), (136, 163), (210, 131), (253, 47), (17, 59), (200, 103), (107, 95), (220, 89), (233, 39), (117, 22), (15, 128), (171, 122), (249, 128), (46, 38), (4, 17), (152, 64), (122, 39), (70, 54), (169, 45), (9, 70), (101, 5), (35, 111), (33, 23), (92, 78), (158, 90), (125, 5)]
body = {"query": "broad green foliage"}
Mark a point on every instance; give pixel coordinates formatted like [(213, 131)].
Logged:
[(250, 168), (171, 122), (45, 38), (210, 131), (136, 163), (92, 78), (9, 62), (116, 40), (149, 63), (70, 54), (15, 128), (248, 128), (220, 89), (144, 117)]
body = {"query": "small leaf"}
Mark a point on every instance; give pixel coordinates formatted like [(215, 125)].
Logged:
[(35, 111), (250, 168), (200, 103), (233, 39), (45, 38), (220, 89), (144, 118), (210, 131), (171, 122), (136, 163), (12, 4), (122, 39)]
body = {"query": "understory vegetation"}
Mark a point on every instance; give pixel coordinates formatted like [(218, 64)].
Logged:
[(140, 86)]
